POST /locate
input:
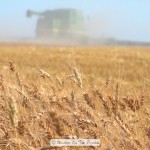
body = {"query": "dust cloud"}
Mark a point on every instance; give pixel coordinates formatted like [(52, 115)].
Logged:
[(60, 26)]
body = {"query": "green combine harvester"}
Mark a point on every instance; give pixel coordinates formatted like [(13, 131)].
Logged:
[(60, 24)]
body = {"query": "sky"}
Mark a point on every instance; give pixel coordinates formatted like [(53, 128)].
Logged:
[(120, 19)]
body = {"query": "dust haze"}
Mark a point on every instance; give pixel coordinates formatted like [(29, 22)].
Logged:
[(56, 26), (61, 26)]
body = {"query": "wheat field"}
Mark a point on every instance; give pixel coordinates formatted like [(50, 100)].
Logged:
[(49, 92)]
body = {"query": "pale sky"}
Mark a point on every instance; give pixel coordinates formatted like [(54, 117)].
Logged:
[(121, 19)]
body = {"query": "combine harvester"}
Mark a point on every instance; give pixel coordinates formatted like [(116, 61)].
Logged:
[(60, 26)]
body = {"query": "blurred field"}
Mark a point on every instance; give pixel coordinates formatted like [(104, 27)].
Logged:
[(63, 92)]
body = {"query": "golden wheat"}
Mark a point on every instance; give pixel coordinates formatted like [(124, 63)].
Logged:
[(103, 101)]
